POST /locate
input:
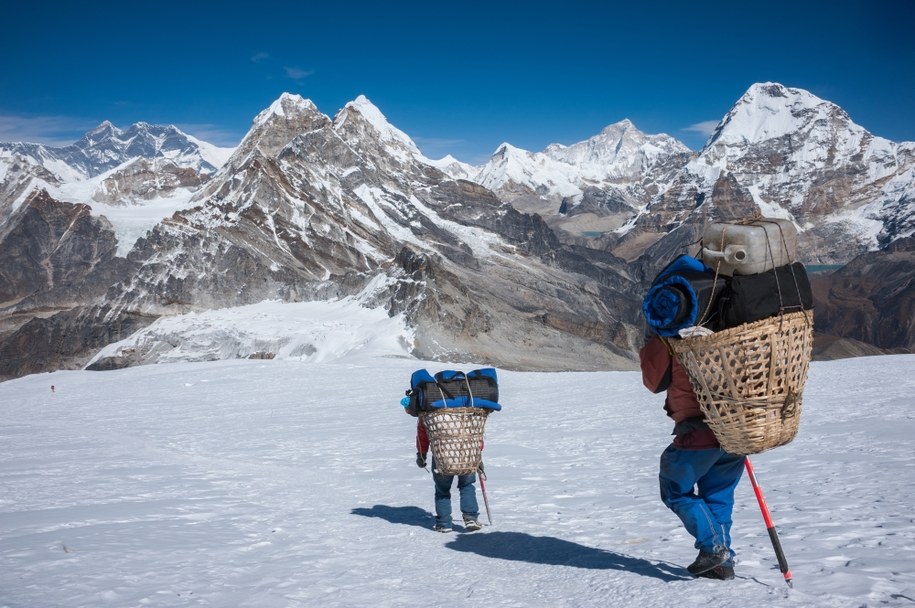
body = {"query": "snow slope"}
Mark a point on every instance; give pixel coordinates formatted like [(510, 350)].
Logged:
[(292, 483), (303, 331)]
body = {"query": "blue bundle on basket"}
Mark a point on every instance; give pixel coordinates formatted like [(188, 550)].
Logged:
[(682, 295)]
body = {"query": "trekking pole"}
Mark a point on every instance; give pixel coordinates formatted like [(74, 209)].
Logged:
[(482, 477), (773, 535)]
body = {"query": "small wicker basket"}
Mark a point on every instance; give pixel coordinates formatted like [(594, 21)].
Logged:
[(749, 379), (456, 438)]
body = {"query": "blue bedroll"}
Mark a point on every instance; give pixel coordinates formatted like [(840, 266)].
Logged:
[(679, 295), (420, 376), (415, 401)]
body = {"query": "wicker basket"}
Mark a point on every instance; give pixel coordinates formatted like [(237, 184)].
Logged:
[(456, 437), (749, 379)]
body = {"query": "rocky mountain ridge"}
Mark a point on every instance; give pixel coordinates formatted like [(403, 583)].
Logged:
[(309, 207), (106, 147), (109, 166), (779, 152)]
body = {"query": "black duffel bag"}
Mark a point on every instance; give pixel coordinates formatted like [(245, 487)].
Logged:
[(751, 297)]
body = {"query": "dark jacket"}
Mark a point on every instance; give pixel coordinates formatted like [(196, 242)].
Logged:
[(661, 371)]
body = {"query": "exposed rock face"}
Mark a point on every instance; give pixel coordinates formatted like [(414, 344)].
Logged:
[(872, 299), (19, 179), (63, 340), (56, 254), (145, 179), (56, 257)]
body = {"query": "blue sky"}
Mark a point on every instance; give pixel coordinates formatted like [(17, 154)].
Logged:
[(458, 77)]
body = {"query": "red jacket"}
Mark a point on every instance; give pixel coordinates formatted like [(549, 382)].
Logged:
[(422, 439), (661, 371)]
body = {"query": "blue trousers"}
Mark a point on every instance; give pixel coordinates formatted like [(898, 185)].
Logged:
[(698, 485), (468, 493)]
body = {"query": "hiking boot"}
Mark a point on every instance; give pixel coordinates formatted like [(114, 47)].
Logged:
[(472, 525), (707, 561), (442, 528), (721, 573)]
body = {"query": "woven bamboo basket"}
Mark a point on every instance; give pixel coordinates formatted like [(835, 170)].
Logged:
[(749, 379), (456, 438)]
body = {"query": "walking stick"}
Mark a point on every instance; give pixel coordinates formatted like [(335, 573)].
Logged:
[(482, 477), (773, 535)]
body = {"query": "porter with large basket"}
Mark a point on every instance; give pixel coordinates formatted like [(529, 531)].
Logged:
[(453, 407), (749, 359)]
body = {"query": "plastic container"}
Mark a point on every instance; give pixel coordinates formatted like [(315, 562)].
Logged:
[(750, 248)]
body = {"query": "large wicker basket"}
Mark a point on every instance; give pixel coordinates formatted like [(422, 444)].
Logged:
[(749, 379), (456, 438)]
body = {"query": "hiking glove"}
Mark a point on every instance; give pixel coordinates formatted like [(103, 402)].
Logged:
[(420, 460)]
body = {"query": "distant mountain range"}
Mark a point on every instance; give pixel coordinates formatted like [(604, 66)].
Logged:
[(535, 260)]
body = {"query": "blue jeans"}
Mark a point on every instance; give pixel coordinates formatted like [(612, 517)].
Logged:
[(443, 483), (698, 485)]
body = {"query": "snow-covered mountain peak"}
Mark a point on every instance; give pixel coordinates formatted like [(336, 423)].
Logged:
[(107, 147), (786, 151), (214, 155), (619, 154), (770, 110), (448, 159), (277, 125), (511, 162), (619, 129), (512, 167), (617, 151), (352, 120), (286, 106), (454, 168), (104, 131), (506, 151), (107, 135)]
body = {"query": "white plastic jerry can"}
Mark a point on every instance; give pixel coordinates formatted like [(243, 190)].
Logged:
[(749, 248)]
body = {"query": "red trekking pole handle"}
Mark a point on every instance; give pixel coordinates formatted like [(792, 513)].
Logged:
[(773, 535)]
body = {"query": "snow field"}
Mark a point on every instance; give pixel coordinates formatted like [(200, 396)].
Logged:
[(288, 483)]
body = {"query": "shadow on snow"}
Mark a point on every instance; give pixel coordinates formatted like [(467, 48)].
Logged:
[(411, 516), (551, 551), (517, 546)]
